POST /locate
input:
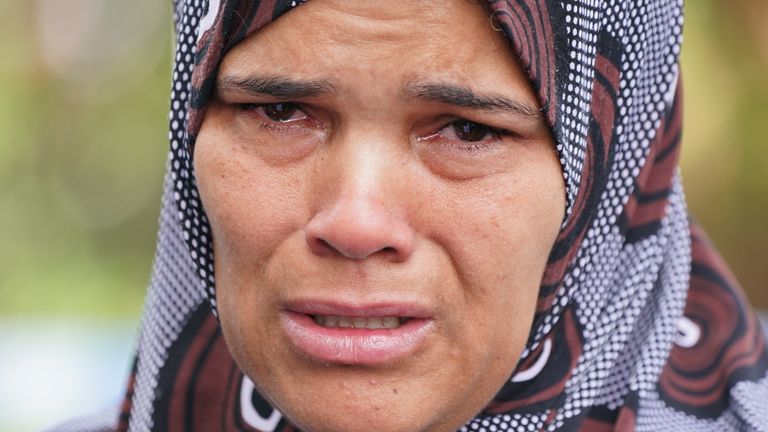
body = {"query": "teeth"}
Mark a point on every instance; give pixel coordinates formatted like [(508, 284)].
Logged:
[(390, 322), (373, 323)]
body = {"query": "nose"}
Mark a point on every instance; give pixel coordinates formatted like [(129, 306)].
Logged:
[(361, 207), (358, 227)]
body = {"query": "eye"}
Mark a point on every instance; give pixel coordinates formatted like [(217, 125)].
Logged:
[(280, 112), (465, 130)]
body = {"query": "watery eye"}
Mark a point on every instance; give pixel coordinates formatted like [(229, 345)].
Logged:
[(283, 112), (280, 111), (466, 130)]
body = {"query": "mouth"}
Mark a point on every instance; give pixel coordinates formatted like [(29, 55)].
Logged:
[(371, 323), (356, 335)]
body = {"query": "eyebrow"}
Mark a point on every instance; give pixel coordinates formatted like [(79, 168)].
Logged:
[(284, 87), (465, 97), (281, 87)]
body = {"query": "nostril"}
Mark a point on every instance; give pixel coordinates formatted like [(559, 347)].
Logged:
[(357, 232), (321, 246)]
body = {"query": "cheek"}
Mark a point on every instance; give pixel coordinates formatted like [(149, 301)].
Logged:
[(254, 210), (501, 238), (498, 233), (252, 207)]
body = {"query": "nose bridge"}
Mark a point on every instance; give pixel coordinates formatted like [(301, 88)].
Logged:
[(359, 213), (363, 166)]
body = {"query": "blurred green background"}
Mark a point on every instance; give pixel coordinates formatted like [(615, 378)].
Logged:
[(84, 88), (83, 140)]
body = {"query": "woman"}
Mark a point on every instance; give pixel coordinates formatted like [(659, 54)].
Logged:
[(435, 216)]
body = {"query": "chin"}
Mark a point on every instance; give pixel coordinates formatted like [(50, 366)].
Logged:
[(383, 422), (345, 415), (338, 398)]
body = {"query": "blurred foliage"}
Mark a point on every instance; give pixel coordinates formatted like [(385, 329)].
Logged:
[(725, 156), (83, 140)]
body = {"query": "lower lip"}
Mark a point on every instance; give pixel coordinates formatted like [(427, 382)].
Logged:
[(353, 346)]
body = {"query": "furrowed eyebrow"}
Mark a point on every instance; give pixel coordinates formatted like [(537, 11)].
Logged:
[(464, 97), (273, 86)]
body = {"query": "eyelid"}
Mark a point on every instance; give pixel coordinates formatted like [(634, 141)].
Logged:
[(510, 124), (494, 132), (253, 106)]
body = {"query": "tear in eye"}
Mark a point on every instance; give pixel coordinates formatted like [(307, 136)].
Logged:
[(466, 130), (279, 112), (282, 112)]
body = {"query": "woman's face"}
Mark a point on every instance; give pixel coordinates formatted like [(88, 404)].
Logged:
[(383, 194)]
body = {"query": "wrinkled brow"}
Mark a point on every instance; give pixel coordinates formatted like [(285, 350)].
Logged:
[(463, 96), (281, 87)]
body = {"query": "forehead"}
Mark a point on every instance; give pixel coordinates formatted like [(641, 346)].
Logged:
[(407, 40)]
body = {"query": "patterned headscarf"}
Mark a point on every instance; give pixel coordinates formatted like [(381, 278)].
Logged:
[(639, 325)]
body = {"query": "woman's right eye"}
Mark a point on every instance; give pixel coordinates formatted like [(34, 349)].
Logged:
[(279, 112)]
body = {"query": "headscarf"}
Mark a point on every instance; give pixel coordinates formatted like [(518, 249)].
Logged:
[(639, 324)]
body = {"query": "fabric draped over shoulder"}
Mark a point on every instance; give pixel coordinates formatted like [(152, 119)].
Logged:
[(639, 324)]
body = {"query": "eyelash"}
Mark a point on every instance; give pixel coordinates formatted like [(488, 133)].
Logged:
[(266, 122), (284, 126), (493, 136)]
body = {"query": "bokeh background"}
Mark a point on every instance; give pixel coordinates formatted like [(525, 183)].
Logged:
[(83, 140)]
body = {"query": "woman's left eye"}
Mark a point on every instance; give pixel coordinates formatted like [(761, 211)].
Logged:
[(469, 131), (280, 112)]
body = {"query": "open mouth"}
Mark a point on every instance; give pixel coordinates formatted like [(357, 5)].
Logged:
[(357, 335), (371, 323)]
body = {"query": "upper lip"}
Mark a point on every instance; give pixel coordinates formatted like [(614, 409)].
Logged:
[(359, 309)]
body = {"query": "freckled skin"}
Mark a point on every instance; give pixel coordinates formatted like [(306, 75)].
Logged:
[(355, 202)]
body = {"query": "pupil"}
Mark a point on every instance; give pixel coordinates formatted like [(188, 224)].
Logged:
[(470, 131), (280, 111)]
